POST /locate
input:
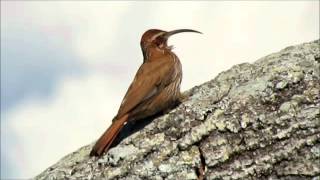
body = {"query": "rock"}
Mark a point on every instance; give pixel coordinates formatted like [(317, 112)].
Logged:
[(253, 121)]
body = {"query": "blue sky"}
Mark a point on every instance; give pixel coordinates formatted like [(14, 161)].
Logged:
[(65, 66), (34, 63)]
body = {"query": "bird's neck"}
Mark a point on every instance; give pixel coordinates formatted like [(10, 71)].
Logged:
[(152, 54)]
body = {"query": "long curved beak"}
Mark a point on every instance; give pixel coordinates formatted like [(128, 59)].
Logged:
[(170, 33)]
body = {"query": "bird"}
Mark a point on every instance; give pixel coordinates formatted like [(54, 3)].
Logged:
[(154, 89)]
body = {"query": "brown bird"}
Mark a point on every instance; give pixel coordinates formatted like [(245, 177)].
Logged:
[(155, 88)]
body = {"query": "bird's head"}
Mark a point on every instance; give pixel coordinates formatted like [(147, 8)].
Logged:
[(155, 38)]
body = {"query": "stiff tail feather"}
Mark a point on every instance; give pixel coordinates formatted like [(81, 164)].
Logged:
[(105, 141)]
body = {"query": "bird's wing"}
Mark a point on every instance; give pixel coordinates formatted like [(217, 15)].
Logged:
[(150, 79)]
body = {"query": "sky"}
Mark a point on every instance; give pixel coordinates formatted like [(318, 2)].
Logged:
[(66, 65)]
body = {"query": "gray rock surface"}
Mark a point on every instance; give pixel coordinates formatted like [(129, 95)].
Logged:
[(254, 121)]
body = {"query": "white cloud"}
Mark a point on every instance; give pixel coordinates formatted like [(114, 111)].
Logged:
[(237, 32), (87, 27)]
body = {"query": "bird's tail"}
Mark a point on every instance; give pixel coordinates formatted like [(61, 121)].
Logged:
[(105, 141)]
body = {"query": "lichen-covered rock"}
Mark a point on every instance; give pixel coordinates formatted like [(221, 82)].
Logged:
[(254, 121)]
